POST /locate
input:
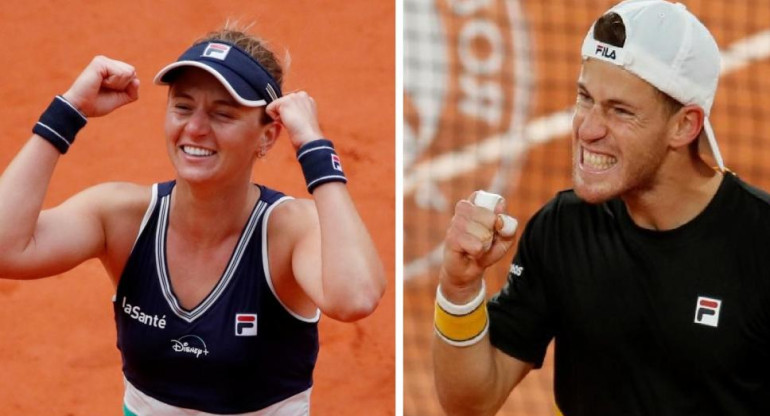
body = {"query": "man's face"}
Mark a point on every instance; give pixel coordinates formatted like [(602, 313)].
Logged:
[(620, 133)]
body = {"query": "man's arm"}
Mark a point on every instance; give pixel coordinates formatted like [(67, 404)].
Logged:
[(473, 379)]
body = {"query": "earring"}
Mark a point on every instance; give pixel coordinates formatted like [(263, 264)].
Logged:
[(262, 147)]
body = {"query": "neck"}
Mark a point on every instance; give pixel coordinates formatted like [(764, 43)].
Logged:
[(210, 214), (680, 192)]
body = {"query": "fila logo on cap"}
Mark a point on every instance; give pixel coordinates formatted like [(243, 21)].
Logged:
[(245, 324), (605, 51), (707, 311), (216, 51)]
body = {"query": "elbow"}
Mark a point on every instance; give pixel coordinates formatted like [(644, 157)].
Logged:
[(7, 271), (349, 314), (356, 305), (356, 293), (354, 308)]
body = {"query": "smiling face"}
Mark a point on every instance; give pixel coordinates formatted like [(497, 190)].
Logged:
[(620, 133), (209, 136)]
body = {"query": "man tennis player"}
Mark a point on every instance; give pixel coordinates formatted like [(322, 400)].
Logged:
[(220, 282), (649, 275)]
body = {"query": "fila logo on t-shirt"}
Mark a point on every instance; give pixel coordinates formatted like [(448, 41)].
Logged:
[(245, 324), (707, 311)]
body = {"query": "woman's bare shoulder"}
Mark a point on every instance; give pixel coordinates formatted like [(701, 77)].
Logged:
[(294, 214)]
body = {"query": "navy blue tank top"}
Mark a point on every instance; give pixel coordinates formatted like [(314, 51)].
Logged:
[(238, 351)]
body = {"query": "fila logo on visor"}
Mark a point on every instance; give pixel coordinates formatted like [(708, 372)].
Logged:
[(216, 51), (245, 324), (707, 311), (606, 52)]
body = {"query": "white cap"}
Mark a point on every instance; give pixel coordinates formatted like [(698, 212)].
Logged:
[(668, 47)]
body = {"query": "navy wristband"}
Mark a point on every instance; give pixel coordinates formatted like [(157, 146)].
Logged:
[(320, 164), (59, 124)]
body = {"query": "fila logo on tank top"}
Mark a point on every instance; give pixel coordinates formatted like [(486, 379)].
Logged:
[(237, 351)]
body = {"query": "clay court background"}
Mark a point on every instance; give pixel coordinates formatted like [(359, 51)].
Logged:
[(57, 335), (489, 86)]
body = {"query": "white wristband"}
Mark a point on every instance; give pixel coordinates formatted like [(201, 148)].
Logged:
[(465, 309)]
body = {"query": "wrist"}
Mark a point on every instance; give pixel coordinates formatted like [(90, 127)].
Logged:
[(60, 123), (461, 325), (76, 103), (320, 163), (458, 293), (307, 136), (464, 307), (307, 142)]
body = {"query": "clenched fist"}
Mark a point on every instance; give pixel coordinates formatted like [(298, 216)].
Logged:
[(297, 113), (104, 85), (478, 237)]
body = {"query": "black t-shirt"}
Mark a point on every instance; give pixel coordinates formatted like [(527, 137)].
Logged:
[(645, 322)]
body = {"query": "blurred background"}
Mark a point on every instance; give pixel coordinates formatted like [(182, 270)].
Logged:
[(489, 87)]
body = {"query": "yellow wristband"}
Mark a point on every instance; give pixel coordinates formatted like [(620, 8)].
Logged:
[(461, 325)]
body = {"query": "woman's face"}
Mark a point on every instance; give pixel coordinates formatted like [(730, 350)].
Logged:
[(210, 137)]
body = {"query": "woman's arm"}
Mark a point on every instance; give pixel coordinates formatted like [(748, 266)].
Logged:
[(36, 244), (333, 257), (335, 260)]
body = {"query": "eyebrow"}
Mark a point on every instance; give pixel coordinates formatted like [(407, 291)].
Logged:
[(226, 102), (610, 101)]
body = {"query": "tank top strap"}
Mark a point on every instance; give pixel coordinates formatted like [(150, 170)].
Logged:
[(269, 196), (164, 188), (159, 191)]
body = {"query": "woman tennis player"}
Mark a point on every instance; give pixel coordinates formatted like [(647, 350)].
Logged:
[(220, 282)]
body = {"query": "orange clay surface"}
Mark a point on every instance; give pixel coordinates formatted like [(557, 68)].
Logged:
[(57, 335)]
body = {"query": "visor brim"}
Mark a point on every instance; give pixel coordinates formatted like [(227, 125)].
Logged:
[(221, 73)]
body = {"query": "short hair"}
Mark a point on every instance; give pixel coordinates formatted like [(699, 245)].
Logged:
[(611, 30)]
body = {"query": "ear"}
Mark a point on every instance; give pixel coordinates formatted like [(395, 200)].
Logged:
[(269, 136), (687, 124)]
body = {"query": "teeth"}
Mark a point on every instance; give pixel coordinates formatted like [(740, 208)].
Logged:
[(597, 161), (197, 151)]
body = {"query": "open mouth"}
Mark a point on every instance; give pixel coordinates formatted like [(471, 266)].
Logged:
[(196, 151), (596, 161)]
